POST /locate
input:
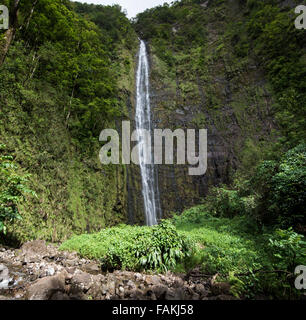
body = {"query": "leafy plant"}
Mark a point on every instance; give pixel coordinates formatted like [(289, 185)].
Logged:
[(281, 189), (134, 248), (287, 249), (229, 203), (253, 263)]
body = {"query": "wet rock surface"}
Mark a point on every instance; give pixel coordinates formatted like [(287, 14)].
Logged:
[(38, 271)]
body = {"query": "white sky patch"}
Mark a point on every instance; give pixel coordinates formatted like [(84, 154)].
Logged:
[(133, 7)]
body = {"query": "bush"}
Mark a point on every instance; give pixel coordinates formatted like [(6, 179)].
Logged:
[(221, 244), (133, 248), (229, 203), (274, 195), (192, 215), (281, 189), (287, 249)]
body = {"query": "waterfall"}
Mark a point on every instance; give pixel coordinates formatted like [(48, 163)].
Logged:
[(143, 121)]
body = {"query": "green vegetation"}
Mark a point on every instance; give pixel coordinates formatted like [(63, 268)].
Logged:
[(242, 65), (237, 68), (13, 187), (280, 189), (64, 79), (255, 263), (280, 48), (133, 248), (273, 195), (221, 42)]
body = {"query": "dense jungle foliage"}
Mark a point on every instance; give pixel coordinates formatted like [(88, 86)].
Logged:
[(64, 79)]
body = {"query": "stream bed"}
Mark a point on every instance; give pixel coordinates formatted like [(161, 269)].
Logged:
[(38, 271)]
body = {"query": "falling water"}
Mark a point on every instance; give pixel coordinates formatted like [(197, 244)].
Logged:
[(143, 121)]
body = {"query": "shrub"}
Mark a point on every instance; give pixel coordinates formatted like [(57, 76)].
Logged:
[(281, 189), (192, 215), (221, 244), (229, 203), (287, 249), (253, 263), (133, 248), (274, 195)]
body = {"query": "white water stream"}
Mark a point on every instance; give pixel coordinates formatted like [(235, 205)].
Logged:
[(143, 121)]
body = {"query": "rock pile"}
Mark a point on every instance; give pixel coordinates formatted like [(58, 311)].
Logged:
[(38, 271)]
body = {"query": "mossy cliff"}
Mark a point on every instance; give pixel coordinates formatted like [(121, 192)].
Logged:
[(64, 80)]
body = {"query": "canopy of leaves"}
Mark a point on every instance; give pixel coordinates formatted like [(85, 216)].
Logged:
[(74, 55)]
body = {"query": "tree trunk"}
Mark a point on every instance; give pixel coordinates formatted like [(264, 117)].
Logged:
[(31, 14)]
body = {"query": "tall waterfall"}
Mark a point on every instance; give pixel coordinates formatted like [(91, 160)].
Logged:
[(143, 121)]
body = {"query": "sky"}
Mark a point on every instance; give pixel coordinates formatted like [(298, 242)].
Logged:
[(132, 6)]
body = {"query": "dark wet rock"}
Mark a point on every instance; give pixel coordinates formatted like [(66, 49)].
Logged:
[(201, 290), (175, 294), (160, 291), (59, 295)]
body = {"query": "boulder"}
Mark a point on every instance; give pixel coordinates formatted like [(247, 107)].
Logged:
[(82, 280), (175, 294), (160, 291), (33, 251), (92, 267), (200, 289), (46, 288)]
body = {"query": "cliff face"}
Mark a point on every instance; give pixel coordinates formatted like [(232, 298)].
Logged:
[(199, 82), (240, 120), (235, 68)]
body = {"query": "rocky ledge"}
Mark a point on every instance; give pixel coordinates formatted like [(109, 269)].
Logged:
[(38, 271)]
